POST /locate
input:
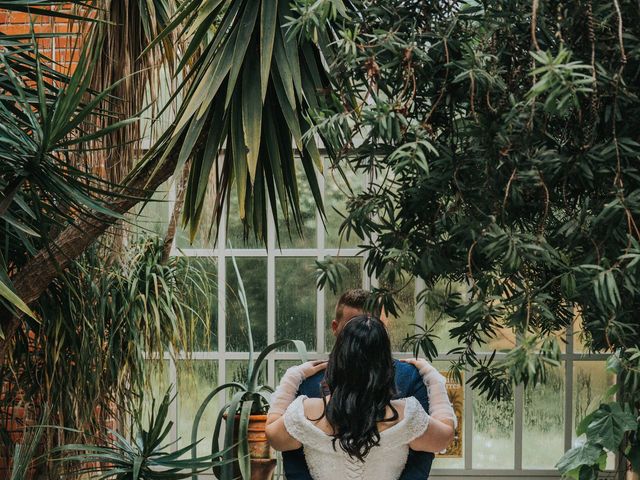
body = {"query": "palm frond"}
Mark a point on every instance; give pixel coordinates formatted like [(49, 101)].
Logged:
[(243, 117)]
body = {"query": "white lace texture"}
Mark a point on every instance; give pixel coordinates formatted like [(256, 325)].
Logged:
[(287, 390), (439, 404), (384, 462)]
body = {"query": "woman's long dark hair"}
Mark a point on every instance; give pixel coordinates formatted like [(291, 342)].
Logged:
[(360, 377)]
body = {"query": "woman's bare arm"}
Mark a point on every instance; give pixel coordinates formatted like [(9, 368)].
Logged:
[(436, 438), (278, 436)]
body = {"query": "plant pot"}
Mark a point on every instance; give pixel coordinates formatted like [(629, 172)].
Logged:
[(263, 463)]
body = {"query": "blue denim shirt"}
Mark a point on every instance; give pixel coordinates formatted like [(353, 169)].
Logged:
[(408, 384)]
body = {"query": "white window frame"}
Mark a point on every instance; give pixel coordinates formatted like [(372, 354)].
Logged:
[(320, 252)]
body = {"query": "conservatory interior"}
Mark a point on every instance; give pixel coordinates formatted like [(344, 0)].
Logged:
[(187, 187)]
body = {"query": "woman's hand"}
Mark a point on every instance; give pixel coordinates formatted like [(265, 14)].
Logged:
[(309, 369), (290, 382), (423, 366)]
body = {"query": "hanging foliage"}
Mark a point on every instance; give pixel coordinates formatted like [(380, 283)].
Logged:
[(503, 139)]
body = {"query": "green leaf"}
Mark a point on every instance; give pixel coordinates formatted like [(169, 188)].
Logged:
[(571, 462), (268, 25), (581, 429), (244, 458), (252, 112), (7, 293), (239, 154), (245, 31), (613, 364), (609, 424)]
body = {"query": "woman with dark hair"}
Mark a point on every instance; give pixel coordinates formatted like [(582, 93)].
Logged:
[(357, 430)]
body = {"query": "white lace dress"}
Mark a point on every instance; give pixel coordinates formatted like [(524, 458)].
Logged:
[(384, 462)]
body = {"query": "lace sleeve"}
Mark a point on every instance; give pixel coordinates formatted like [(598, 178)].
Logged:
[(294, 420), (417, 420)]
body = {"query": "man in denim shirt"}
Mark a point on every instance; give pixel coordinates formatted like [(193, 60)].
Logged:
[(408, 383)]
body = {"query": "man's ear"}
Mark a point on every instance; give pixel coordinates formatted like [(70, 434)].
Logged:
[(334, 326)]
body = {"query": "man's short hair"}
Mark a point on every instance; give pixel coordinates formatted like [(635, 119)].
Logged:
[(356, 298)]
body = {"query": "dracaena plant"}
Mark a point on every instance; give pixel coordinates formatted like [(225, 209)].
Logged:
[(248, 396), (43, 181), (149, 455), (247, 87)]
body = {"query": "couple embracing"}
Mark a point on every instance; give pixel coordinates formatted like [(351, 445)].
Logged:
[(362, 414)]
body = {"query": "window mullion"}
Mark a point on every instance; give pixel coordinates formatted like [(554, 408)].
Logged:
[(518, 422), (321, 253), (568, 391), (222, 297), (271, 293)]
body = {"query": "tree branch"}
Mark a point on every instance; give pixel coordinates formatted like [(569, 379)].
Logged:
[(37, 274)]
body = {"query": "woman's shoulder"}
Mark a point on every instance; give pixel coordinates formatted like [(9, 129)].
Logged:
[(407, 407), (313, 407), (399, 404)]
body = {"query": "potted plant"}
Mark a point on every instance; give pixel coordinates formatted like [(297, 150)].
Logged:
[(246, 452)]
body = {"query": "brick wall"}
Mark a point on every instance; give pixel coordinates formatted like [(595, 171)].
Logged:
[(61, 48)]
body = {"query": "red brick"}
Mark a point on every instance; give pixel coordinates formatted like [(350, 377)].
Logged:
[(61, 49)]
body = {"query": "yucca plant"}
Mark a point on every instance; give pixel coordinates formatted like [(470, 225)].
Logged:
[(44, 183), (249, 396), (245, 95), (249, 87), (148, 456)]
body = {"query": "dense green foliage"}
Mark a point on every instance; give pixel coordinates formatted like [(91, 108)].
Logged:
[(502, 139), (44, 182), (88, 361)]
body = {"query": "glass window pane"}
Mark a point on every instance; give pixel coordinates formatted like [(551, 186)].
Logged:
[(544, 422), (202, 295), (290, 237), (254, 276), (296, 300), (153, 217), (580, 340), (402, 325), (493, 433), (435, 318), (281, 367), (351, 278), (337, 191), (158, 384), (454, 456), (238, 371), (196, 379), (590, 383)]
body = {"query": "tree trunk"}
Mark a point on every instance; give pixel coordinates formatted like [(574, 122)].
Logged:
[(38, 273), (181, 189)]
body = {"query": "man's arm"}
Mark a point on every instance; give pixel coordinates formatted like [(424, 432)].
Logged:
[(419, 389), (418, 464)]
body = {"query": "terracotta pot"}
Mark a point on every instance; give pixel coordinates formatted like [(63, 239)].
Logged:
[(263, 463)]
